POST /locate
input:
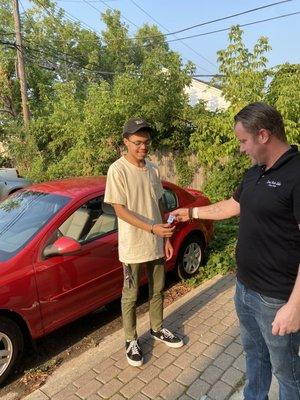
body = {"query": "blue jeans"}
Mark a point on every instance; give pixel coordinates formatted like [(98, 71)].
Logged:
[(265, 352)]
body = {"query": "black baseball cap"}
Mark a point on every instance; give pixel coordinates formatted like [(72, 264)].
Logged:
[(134, 125)]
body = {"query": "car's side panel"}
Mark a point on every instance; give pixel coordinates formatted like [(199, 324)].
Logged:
[(71, 285), (18, 293)]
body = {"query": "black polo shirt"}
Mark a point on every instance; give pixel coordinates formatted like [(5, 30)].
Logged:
[(268, 248)]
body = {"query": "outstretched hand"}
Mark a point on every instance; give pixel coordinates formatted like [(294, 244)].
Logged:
[(181, 214)]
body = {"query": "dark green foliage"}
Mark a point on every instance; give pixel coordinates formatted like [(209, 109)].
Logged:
[(220, 252)]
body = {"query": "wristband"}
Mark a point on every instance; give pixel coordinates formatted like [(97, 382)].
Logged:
[(190, 213), (195, 213), (151, 230)]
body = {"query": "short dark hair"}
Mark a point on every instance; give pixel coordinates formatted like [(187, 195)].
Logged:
[(256, 116)]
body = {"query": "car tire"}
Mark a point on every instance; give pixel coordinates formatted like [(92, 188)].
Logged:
[(191, 256), (11, 346)]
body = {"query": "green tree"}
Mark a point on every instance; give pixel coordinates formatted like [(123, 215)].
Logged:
[(284, 94), (78, 110), (244, 77), (244, 71)]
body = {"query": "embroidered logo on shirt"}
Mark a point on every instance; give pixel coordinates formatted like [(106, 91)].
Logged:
[(273, 184)]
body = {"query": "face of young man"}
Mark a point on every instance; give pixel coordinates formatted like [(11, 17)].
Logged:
[(251, 144), (138, 145)]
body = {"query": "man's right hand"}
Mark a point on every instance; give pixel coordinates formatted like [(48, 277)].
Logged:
[(163, 230), (181, 214)]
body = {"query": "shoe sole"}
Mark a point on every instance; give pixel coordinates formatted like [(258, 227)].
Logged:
[(174, 345), (134, 363)]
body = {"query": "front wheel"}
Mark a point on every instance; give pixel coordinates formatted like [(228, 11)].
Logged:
[(11, 346), (190, 257)]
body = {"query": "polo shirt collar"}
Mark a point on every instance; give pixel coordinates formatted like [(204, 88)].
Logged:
[(283, 159)]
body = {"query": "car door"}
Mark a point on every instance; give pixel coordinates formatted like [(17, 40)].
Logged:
[(72, 285)]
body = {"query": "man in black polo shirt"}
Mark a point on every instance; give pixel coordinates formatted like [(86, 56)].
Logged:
[(267, 295)]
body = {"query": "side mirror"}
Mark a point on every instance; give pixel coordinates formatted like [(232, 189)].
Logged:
[(62, 246)]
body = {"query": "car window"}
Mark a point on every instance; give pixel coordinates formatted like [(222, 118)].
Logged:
[(90, 221), (169, 200), (22, 216)]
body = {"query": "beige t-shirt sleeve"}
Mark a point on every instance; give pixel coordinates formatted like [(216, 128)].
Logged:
[(114, 190)]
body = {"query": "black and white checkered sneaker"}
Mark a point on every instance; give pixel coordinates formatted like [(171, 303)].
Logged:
[(134, 353), (164, 335)]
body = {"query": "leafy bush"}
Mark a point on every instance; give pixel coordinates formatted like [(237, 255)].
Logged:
[(222, 179), (220, 252)]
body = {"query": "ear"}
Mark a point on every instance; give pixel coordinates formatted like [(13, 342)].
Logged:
[(263, 136)]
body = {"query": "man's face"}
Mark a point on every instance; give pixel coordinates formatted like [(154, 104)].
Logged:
[(250, 144), (138, 144)]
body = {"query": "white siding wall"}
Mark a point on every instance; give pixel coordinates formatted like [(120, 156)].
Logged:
[(202, 91)]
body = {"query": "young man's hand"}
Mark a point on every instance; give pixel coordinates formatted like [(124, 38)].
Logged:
[(181, 214), (163, 230), (169, 251)]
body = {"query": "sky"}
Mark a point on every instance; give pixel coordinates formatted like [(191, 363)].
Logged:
[(171, 16)]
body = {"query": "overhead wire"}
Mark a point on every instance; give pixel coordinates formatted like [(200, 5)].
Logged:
[(72, 62), (76, 62), (185, 44), (2, 32), (102, 1), (73, 19), (68, 58), (220, 19), (241, 25), (6, 43)]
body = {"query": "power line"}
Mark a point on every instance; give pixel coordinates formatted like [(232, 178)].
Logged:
[(185, 44), (6, 43), (224, 18), (75, 63), (97, 9), (80, 1), (73, 19), (210, 75), (2, 32), (54, 68), (242, 25), (44, 46), (53, 52), (71, 62), (111, 73)]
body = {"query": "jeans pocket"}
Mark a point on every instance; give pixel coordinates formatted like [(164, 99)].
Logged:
[(271, 302)]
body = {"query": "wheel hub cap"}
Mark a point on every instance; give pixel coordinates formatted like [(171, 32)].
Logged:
[(6, 352), (192, 258)]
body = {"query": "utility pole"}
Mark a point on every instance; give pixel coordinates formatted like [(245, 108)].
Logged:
[(20, 62)]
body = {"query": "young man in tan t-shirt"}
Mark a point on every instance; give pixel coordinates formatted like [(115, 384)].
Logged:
[(134, 189)]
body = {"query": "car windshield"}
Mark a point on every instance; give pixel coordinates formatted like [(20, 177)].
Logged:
[(24, 214)]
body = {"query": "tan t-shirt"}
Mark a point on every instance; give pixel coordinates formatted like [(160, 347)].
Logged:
[(139, 189)]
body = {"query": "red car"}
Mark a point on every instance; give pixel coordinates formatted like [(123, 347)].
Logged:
[(59, 256)]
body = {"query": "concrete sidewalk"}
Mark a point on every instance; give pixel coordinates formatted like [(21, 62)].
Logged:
[(209, 367)]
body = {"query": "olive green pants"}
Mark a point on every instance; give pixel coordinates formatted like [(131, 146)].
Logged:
[(156, 281)]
